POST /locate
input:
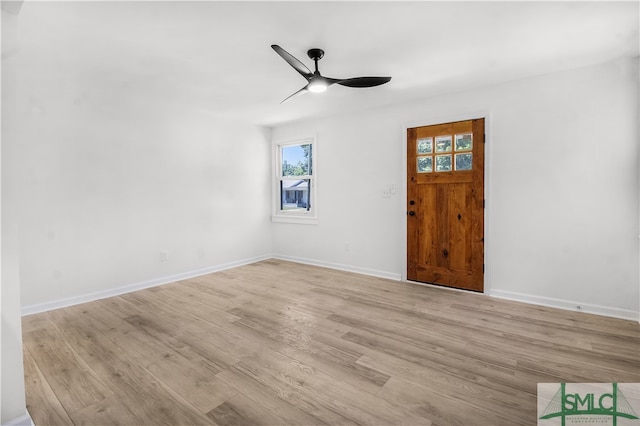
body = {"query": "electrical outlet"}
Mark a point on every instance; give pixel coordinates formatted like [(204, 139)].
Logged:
[(164, 256)]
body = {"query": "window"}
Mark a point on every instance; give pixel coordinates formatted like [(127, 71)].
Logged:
[(443, 148), (294, 189)]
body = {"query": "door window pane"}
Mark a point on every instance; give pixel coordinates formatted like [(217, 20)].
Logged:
[(443, 143), (425, 164), (425, 146), (464, 161), (464, 142), (443, 163)]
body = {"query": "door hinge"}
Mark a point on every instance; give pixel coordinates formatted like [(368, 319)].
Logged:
[(483, 268), (484, 138), (484, 203)]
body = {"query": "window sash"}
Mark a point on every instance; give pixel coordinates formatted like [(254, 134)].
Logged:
[(308, 203), (305, 199)]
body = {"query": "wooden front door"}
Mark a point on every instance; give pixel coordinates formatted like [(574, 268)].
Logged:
[(445, 204)]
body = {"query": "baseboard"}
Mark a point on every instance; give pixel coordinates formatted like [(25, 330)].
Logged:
[(527, 298), (567, 305), (340, 267), (90, 297), (23, 420)]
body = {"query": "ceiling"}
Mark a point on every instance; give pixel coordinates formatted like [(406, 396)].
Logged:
[(216, 56)]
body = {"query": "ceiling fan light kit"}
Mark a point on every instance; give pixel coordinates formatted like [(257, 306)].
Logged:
[(316, 83)]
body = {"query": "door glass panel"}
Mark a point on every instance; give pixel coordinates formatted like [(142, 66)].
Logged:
[(464, 142), (425, 146), (425, 164), (464, 161), (443, 162), (443, 143)]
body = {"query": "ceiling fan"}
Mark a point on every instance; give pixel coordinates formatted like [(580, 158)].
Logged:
[(316, 82)]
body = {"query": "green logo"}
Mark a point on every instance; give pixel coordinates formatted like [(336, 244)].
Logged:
[(585, 401)]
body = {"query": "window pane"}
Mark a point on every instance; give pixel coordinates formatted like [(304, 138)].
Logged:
[(425, 146), (296, 160), (443, 163), (464, 161), (425, 164), (443, 143), (464, 142), (294, 194)]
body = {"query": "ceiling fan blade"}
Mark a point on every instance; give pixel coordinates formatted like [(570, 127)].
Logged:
[(363, 81), (291, 60), (299, 92)]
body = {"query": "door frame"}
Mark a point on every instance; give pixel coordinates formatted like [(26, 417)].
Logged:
[(449, 118)]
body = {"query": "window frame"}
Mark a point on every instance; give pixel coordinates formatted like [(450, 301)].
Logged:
[(294, 216)]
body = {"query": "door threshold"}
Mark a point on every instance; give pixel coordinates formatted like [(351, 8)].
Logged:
[(442, 286)]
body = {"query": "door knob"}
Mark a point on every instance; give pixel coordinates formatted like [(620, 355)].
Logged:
[(445, 252), (412, 213), (412, 202)]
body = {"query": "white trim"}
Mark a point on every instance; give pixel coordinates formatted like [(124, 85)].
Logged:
[(567, 305), (526, 298), (90, 297), (295, 216), (311, 220), (23, 420), (340, 267)]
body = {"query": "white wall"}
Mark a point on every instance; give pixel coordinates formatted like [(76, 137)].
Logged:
[(562, 187), (108, 181), (13, 405)]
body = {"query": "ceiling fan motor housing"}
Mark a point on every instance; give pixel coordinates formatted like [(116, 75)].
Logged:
[(315, 54)]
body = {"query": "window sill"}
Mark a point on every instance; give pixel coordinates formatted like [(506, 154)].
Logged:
[(303, 220)]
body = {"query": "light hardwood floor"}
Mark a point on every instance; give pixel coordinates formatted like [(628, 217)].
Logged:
[(282, 343)]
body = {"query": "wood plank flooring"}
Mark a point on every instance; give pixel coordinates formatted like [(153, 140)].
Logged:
[(278, 343)]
